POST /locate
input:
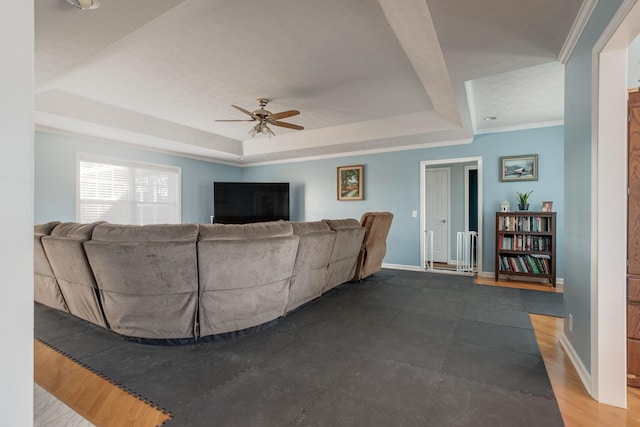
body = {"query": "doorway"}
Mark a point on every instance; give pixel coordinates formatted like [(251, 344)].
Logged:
[(449, 206), (437, 206)]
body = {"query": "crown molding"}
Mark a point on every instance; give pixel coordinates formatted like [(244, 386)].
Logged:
[(576, 30), (132, 146), (360, 152), (524, 126)]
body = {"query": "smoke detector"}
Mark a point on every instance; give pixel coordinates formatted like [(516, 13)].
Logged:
[(85, 4)]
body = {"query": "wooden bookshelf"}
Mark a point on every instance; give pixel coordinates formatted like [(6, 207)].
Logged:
[(526, 245)]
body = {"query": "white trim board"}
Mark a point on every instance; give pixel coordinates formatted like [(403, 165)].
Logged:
[(402, 267), (582, 371), (609, 188), (576, 30)]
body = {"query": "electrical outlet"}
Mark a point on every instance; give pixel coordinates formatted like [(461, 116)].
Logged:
[(570, 322), (414, 214)]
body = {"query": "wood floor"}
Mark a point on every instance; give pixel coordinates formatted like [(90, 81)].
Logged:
[(90, 395), (104, 404)]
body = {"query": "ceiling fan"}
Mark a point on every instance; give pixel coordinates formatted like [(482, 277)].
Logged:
[(265, 118)]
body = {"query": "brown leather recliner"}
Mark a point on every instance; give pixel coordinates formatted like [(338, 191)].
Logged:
[(374, 245)]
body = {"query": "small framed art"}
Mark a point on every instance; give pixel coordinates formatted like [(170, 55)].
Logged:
[(351, 182), (547, 206), (519, 168)]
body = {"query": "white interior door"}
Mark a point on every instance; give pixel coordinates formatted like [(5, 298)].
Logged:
[(437, 210)]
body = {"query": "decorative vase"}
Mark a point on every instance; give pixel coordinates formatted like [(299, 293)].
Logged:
[(523, 207)]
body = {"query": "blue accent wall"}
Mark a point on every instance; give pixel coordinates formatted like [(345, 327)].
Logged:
[(577, 180), (55, 176), (392, 183)]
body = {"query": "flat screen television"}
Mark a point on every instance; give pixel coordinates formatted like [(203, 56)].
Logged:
[(245, 202)]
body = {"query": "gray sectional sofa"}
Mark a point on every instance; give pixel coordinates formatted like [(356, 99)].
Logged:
[(189, 281)]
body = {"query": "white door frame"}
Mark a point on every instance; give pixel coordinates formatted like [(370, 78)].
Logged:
[(423, 222), (607, 382)]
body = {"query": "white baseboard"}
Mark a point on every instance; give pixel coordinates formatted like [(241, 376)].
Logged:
[(417, 268), (582, 371), (402, 267)]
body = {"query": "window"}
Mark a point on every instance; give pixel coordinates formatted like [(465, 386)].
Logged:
[(122, 192)]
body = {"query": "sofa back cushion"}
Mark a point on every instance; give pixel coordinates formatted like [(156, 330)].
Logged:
[(146, 233), (244, 274), (46, 289), (346, 248), (374, 245), (148, 278), (312, 260), (45, 229), (65, 251), (75, 230), (259, 230)]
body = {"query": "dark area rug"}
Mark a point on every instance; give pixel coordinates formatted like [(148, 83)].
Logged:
[(546, 303), (398, 349)]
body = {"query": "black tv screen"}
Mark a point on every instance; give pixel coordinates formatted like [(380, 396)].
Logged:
[(245, 202)]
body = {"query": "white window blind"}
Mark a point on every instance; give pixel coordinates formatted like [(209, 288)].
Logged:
[(128, 193)]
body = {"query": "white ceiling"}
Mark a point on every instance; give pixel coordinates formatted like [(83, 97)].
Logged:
[(365, 74)]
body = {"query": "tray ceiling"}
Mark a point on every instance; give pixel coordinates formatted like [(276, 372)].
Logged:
[(365, 74)]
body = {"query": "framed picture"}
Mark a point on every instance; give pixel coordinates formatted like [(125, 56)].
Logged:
[(547, 206), (351, 182), (519, 168)]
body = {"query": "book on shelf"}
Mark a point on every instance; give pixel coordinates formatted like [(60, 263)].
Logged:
[(525, 223), (529, 263)]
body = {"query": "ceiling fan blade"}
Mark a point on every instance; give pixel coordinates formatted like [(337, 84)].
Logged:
[(285, 114), (244, 111), (233, 120), (286, 125)]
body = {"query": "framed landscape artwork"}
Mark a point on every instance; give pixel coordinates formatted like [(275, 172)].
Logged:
[(351, 182), (519, 168)]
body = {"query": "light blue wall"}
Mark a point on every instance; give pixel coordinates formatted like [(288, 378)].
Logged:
[(392, 182), (633, 61), (577, 173), (55, 176)]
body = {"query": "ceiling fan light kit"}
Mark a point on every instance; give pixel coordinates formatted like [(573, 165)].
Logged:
[(262, 128), (265, 118), (85, 4)]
